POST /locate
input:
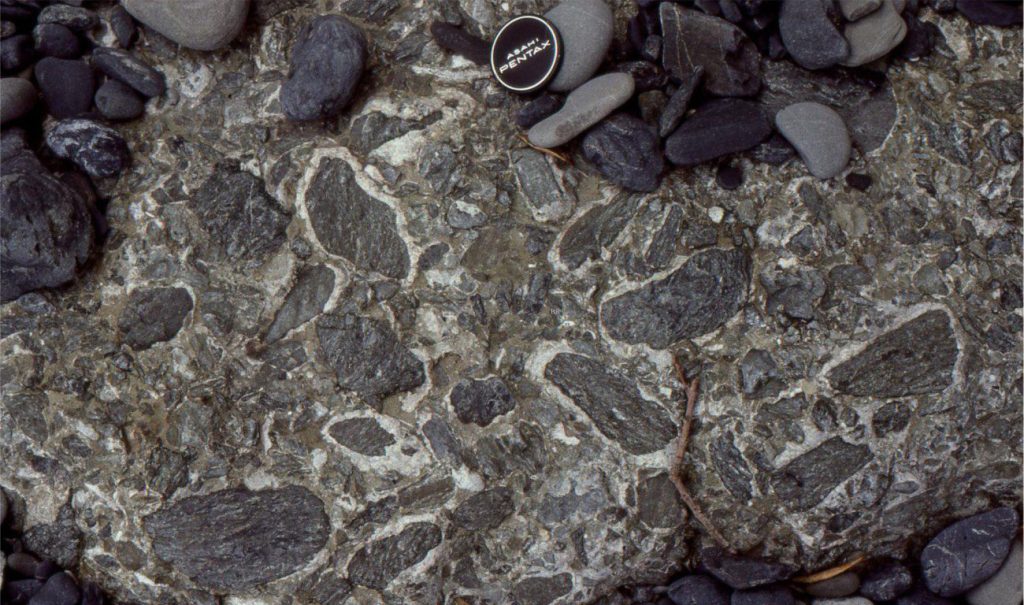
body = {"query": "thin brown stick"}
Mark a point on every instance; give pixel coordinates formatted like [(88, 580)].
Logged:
[(551, 152), (676, 472)]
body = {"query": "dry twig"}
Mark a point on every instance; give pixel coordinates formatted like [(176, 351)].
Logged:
[(676, 472), (831, 572), (551, 152)]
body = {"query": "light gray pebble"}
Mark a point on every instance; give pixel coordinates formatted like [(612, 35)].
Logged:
[(855, 9), (586, 28), (875, 35), (198, 24), (819, 135), (583, 108)]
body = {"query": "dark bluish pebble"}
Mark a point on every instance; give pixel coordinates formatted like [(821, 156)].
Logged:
[(968, 552), (7, 29), (742, 572), (47, 568), (777, 594), (326, 65), (91, 594), (16, 53), (123, 26), (718, 128), (23, 563), (126, 67), (20, 592), (96, 149), (920, 596), (537, 109), (679, 102), (646, 75), (920, 39), (698, 589), (17, 97), (731, 62), (886, 581), (460, 42), (860, 182), (626, 151), (991, 12), (118, 101), (843, 585), (74, 17), (67, 86), (810, 36), (60, 589), (54, 40), (729, 176)]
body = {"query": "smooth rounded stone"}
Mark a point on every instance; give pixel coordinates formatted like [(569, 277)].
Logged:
[(74, 17), (16, 53), (691, 39), (991, 12), (697, 589), (627, 151), (60, 589), (23, 563), (586, 28), (126, 67), (855, 9), (97, 149), (809, 35), (920, 596), (1005, 587), (326, 65), (843, 585), (197, 24), (679, 102), (718, 128), (819, 135), (537, 109), (743, 573), (123, 26), (875, 35), (729, 176), (67, 86), (968, 552), (20, 591), (54, 40), (17, 96), (843, 601), (886, 581), (583, 108), (118, 101), (461, 42), (768, 595)]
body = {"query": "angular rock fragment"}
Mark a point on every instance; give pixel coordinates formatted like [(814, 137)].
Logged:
[(968, 552), (541, 590), (695, 299), (612, 402), (306, 299), (547, 201), (461, 42), (886, 581), (484, 510), (153, 315), (916, 358), (743, 573), (278, 530), (811, 476), (694, 39), (245, 223), (595, 230), (698, 589), (363, 435), (626, 151), (719, 128), (378, 563), (367, 356), (481, 401), (352, 224)]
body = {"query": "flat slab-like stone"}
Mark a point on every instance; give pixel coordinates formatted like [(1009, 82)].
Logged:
[(819, 135), (583, 108), (732, 65), (717, 129)]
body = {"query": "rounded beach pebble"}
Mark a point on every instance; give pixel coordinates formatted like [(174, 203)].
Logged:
[(819, 135), (327, 64)]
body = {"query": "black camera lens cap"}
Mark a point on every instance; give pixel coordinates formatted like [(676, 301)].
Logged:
[(526, 53)]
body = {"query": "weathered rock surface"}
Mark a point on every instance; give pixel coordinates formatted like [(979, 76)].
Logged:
[(362, 435), (698, 297), (153, 315), (313, 287), (350, 223), (481, 401), (916, 358), (278, 530), (614, 404), (694, 39), (809, 478), (326, 66), (381, 561), (743, 573)]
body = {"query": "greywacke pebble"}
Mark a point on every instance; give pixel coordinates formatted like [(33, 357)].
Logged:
[(129, 69), (74, 17), (460, 42), (97, 149), (819, 135), (875, 35), (583, 108), (537, 109), (719, 128), (691, 38), (118, 101), (843, 585), (968, 552), (326, 66), (855, 9), (17, 96), (197, 24), (809, 35), (698, 589), (586, 28), (67, 86), (679, 102), (54, 40), (626, 151)]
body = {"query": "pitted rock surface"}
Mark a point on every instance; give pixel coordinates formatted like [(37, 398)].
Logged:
[(239, 538), (553, 270)]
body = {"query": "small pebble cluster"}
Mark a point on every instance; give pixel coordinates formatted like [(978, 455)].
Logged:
[(705, 56), (976, 561), (26, 579)]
